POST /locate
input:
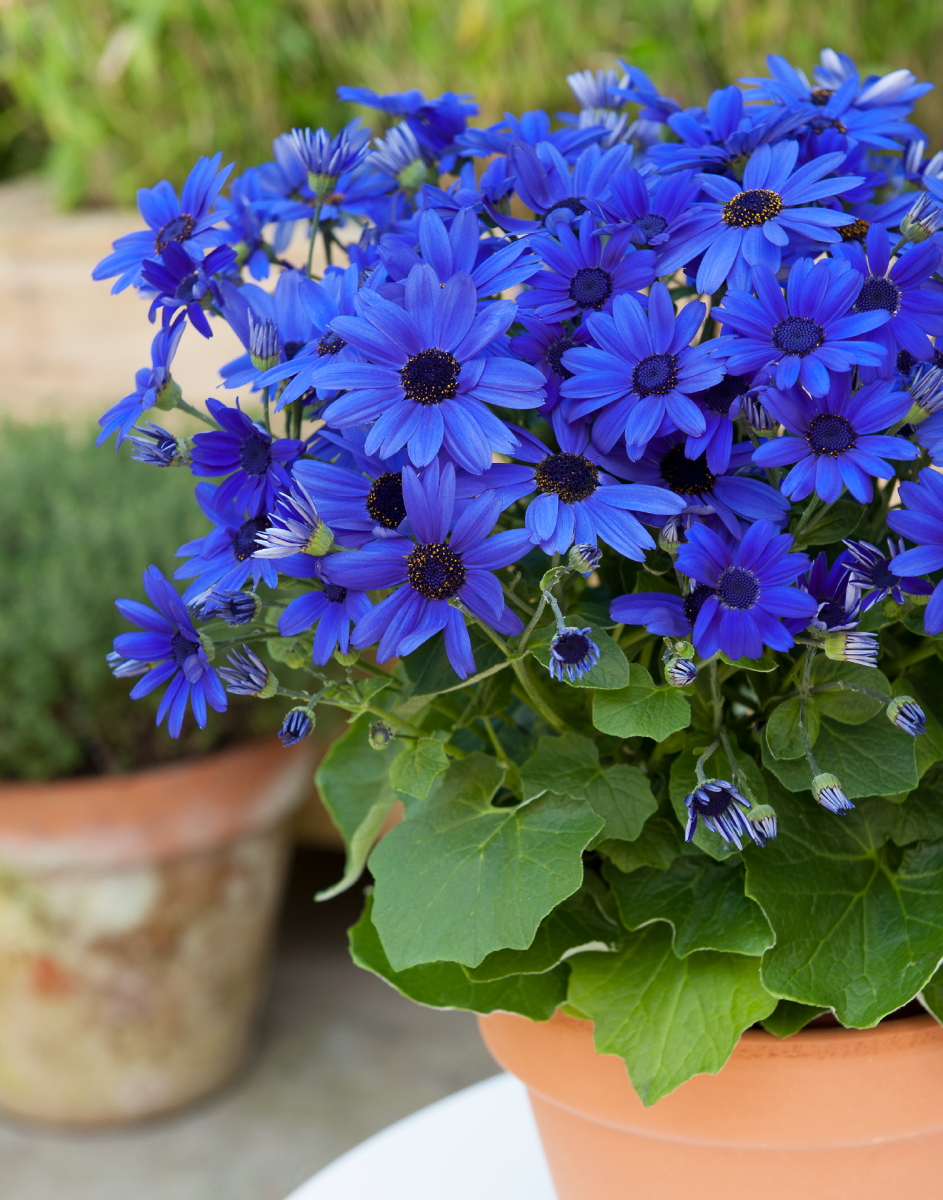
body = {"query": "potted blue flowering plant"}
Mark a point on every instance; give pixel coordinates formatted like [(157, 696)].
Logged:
[(614, 528)]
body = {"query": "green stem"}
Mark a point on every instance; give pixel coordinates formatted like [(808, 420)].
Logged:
[(843, 686), (410, 729), (315, 222), (699, 765), (716, 697), (499, 750), (537, 701), (533, 621), (195, 412)]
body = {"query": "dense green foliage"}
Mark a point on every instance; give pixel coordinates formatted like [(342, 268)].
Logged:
[(72, 519), (128, 91)]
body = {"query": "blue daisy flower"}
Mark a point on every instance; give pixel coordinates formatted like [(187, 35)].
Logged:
[(249, 208), (662, 613), (320, 154), (836, 440), (179, 282), (224, 559), (530, 128), (170, 648), (435, 124), (640, 90), (150, 385), (188, 222), (834, 590), (751, 582), (578, 502), (433, 569), (721, 406), (650, 216), (426, 379), (746, 227), (642, 370), (330, 611), (256, 464), (808, 333), (900, 288), (728, 499), (871, 573), (544, 345), (585, 274), (921, 520)]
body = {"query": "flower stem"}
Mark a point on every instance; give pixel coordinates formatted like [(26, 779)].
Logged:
[(699, 765), (195, 412), (537, 701), (315, 223)]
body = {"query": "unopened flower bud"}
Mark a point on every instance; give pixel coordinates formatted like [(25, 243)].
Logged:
[(247, 675), (669, 536), (853, 647), (298, 725), (922, 221), (680, 671), (348, 659), (235, 608), (264, 346), (906, 714), (828, 792), (209, 646), (763, 819), (584, 558), (168, 396), (926, 391), (758, 417), (320, 541), (379, 735)]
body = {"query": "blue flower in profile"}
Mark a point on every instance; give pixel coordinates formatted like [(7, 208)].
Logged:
[(837, 440), (746, 227), (435, 124), (902, 289), (870, 573), (544, 345), (432, 570), (640, 90), (662, 613), (585, 273), (727, 499), (224, 559), (426, 380), (642, 370), (807, 335), (577, 501), (179, 282), (650, 216), (921, 520), (751, 582), (170, 647), (188, 222), (331, 611), (836, 593), (150, 385), (319, 154), (247, 211), (257, 465)]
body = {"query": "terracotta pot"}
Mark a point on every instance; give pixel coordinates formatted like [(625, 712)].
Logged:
[(135, 917), (826, 1115)]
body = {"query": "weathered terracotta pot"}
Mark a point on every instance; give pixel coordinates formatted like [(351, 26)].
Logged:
[(829, 1114), (135, 919)]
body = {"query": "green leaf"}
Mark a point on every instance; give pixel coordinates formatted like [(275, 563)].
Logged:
[(788, 1018), (416, 768), (871, 759), (560, 764), (658, 845), (669, 1018), (783, 734), (461, 879), (353, 780), (611, 672), (852, 708), (622, 796), (920, 817), (931, 996), (641, 709), (577, 922), (839, 521), (445, 984), (852, 932), (764, 664), (703, 902)]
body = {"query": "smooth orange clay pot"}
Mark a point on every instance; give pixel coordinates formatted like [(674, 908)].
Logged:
[(135, 918), (829, 1114)]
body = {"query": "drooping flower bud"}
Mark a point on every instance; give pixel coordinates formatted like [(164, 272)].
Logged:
[(572, 653), (248, 675), (723, 809), (854, 647), (763, 819), (828, 792), (298, 725), (379, 735), (906, 714), (235, 608), (584, 558), (680, 671)]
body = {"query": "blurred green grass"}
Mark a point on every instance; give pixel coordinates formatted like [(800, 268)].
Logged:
[(119, 93)]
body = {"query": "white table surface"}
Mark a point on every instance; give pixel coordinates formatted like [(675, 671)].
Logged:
[(480, 1144)]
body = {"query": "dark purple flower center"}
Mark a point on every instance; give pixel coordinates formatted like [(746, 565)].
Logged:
[(937, 357), (857, 231), (877, 292), (832, 613), (718, 399), (177, 229), (738, 588), (905, 362), (656, 375), (820, 124), (330, 344), (830, 434), (881, 575), (335, 593), (694, 601), (181, 648), (752, 207), (291, 349), (244, 543), (651, 225), (572, 646), (716, 803), (430, 377), (591, 287), (572, 477), (573, 203), (555, 352), (255, 454), (385, 500), (686, 476), (435, 571), (820, 96), (186, 289), (798, 335)]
